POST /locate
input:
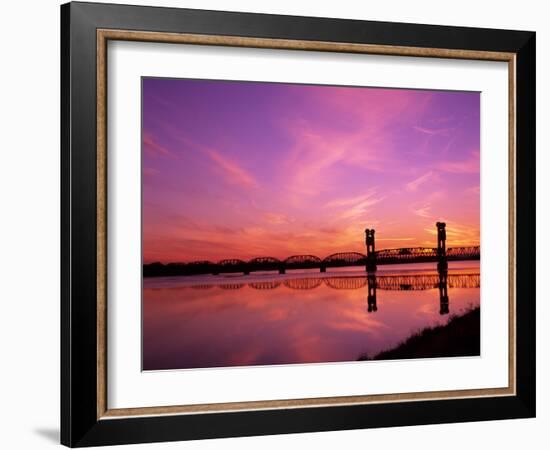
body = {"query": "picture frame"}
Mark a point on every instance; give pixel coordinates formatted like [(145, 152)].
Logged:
[(86, 29)]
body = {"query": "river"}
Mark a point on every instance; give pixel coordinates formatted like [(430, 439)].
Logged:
[(296, 318)]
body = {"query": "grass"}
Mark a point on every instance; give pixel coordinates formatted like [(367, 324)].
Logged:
[(459, 337)]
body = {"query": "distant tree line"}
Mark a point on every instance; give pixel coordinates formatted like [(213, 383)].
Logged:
[(158, 269)]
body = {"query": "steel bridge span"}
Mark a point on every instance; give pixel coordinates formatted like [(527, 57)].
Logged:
[(301, 262), (370, 260)]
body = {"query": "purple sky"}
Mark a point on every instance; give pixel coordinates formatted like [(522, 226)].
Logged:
[(244, 169)]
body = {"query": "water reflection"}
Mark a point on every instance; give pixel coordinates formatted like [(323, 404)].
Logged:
[(296, 318), (346, 282), (371, 301), (443, 295)]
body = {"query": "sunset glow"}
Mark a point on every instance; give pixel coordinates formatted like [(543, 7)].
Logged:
[(246, 169)]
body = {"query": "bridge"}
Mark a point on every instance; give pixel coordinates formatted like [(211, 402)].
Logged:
[(384, 282), (371, 283), (370, 260)]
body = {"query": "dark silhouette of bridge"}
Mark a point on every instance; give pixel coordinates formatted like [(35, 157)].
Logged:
[(383, 282), (442, 281), (440, 255)]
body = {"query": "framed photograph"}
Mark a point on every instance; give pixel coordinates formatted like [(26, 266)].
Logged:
[(277, 224)]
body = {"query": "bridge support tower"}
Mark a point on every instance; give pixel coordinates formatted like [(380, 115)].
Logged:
[(371, 254), (442, 267), (441, 249), (371, 299), (443, 295)]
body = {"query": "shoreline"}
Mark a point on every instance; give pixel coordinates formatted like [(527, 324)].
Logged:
[(460, 336)]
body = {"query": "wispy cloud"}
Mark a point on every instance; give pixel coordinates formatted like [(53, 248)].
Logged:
[(355, 207), (360, 209), (363, 139), (433, 131), (231, 171), (149, 172), (347, 201), (395, 239), (311, 156), (276, 219), (417, 182), (458, 234), (155, 149), (423, 212), (469, 165)]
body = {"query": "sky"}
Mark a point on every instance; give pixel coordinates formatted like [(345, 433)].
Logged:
[(237, 169)]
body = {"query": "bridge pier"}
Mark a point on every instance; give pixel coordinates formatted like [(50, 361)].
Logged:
[(371, 299), (442, 264), (371, 254), (443, 294)]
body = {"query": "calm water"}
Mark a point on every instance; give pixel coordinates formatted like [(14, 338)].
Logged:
[(305, 317)]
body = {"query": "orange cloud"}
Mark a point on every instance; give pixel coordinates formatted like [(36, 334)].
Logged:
[(423, 212), (276, 219)]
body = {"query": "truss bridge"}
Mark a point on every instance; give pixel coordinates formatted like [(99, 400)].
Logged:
[(370, 260)]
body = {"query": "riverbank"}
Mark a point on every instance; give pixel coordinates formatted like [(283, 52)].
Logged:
[(459, 337)]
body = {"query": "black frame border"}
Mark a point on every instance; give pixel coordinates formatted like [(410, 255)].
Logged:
[(79, 423)]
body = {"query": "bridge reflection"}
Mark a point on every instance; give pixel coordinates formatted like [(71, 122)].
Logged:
[(383, 282), (372, 283)]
